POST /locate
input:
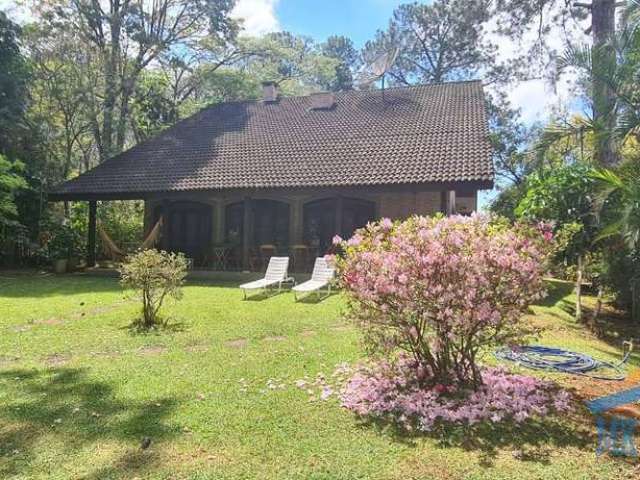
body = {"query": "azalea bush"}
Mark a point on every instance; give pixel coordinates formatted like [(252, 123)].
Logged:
[(443, 289), (154, 276), (430, 295)]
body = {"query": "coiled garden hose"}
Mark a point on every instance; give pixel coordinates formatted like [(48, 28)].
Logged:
[(565, 361)]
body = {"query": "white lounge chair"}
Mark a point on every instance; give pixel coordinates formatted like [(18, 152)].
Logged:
[(277, 274), (321, 277)]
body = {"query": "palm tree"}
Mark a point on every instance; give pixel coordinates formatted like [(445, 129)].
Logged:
[(622, 189), (619, 74)]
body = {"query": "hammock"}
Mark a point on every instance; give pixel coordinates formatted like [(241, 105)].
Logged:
[(115, 253)]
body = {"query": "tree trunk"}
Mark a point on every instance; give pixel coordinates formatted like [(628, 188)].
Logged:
[(579, 289), (111, 68), (635, 300), (603, 23)]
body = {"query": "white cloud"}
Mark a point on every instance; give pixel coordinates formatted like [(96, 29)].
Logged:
[(259, 16), (17, 13), (537, 97)]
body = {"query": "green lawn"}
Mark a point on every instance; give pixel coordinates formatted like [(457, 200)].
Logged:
[(79, 391)]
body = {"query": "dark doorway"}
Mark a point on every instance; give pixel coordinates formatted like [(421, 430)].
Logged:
[(321, 220), (189, 229), (320, 223), (356, 214), (269, 223), (234, 223)]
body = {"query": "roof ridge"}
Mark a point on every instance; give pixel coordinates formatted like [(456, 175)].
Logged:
[(342, 93)]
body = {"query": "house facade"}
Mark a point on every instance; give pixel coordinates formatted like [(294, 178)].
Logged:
[(284, 175)]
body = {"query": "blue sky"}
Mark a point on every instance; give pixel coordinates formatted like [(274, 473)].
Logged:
[(357, 19)]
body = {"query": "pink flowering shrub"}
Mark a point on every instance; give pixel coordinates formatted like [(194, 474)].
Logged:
[(442, 290), (392, 392)]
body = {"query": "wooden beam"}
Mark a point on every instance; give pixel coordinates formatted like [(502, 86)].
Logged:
[(339, 208), (246, 232), (164, 234), (91, 234), (451, 202)]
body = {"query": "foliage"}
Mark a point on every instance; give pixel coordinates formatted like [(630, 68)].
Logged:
[(507, 200), (620, 202), (11, 181), (342, 49), (564, 196), (59, 241), (121, 42), (14, 76), (394, 392), (442, 289), (154, 276), (295, 62), (619, 206), (121, 220), (439, 41)]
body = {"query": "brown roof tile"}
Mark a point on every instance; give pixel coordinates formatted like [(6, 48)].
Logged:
[(421, 134)]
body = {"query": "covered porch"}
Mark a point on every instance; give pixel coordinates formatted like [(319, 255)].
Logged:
[(240, 231)]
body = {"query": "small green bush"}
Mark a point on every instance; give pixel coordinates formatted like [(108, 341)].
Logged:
[(154, 276)]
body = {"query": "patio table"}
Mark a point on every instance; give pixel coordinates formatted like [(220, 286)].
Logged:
[(221, 256)]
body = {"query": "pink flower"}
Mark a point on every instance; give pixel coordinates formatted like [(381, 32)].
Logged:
[(337, 240), (386, 224), (353, 241)]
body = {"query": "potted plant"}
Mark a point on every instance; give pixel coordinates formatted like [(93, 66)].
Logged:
[(60, 247), (77, 251)]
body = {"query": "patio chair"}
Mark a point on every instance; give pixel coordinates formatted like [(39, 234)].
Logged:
[(321, 277), (277, 274)]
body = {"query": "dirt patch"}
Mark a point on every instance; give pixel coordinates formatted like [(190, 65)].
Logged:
[(57, 359), (21, 328), (49, 321), (8, 359), (341, 328), (152, 350), (275, 338), (237, 343), (198, 348), (98, 309), (307, 333), (106, 354), (587, 388)]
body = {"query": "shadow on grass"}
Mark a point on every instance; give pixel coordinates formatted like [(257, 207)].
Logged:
[(163, 326), (556, 292), (533, 440), (259, 297), (76, 411), (43, 285), (312, 298)]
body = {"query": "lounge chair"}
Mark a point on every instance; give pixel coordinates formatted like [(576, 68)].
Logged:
[(277, 274), (321, 277)]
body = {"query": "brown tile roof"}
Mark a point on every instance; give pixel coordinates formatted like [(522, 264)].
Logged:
[(421, 134)]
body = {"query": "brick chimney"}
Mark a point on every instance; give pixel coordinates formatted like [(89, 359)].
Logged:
[(322, 101), (269, 91)]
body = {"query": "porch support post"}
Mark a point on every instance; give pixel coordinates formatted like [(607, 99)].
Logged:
[(164, 233), (246, 232), (339, 205), (296, 226), (91, 237), (218, 222), (451, 202)]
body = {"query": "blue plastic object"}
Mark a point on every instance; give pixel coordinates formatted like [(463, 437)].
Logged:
[(565, 361)]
